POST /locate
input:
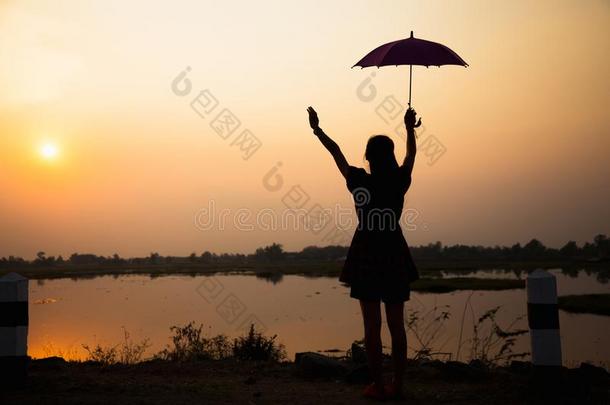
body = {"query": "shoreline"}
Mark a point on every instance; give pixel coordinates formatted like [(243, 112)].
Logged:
[(321, 268)]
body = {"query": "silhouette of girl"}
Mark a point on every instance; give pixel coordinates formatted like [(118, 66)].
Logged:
[(379, 266)]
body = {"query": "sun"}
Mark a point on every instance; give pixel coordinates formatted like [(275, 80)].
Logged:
[(49, 151)]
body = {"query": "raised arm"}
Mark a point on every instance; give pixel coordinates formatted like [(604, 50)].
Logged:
[(328, 143), (411, 123)]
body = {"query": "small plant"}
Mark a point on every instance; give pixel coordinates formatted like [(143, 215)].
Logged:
[(127, 352), (103, 355), (255, 346), (188, 344), (492, 344), (131, 352), (426, 328)]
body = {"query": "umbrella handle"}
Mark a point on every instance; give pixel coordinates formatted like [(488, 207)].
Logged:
[(410, 80)]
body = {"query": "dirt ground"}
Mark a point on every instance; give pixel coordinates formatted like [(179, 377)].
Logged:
[(53, 381)]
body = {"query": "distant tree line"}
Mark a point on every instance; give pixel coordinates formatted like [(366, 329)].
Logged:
[(597, 250)]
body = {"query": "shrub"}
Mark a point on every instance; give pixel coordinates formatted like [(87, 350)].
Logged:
[(255, 346), (188, 344)]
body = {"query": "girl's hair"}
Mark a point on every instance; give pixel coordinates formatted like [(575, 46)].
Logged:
[(380, 154)]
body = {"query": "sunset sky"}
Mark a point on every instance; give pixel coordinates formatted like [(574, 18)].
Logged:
[(99, 154)]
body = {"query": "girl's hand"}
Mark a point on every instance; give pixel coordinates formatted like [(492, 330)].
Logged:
[(314, 121), (411, 121)]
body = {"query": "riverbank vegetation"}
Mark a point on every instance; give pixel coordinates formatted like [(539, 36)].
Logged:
[(587, 303), (189, 343), (444, 285)]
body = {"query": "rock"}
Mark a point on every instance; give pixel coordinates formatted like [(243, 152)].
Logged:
[(52, 363), (310, 364), (358, 353)]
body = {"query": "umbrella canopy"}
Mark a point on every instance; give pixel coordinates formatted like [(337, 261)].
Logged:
[(411, 51)]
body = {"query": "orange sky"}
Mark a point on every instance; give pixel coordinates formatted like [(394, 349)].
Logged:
[(525, 127)]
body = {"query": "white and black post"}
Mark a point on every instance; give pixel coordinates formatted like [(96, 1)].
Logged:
[(543, 319), (13, 328)]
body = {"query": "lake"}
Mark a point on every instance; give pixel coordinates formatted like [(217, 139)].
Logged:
[(306, 313)]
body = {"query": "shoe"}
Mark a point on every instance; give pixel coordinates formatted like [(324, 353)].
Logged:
[(374, 391)]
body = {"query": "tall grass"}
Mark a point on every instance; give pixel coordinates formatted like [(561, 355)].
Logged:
[(426, 328), (126, 352), (493, 344), (490, 343)]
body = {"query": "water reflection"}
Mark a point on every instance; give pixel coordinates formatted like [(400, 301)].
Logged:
[(306, 313), (273, 277)]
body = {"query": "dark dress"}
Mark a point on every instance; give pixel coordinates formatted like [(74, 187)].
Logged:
[(379, 265)]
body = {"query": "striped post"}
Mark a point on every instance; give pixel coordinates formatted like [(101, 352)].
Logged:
[(543, 319), (13, 328)]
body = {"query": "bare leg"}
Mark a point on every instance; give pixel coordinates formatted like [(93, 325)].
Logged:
[(371, 314), (395, 317)]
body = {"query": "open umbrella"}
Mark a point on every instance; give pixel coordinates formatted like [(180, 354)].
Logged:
[(411, 51)]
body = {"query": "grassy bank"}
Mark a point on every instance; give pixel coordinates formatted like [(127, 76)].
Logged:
[(252, 369), (588, 303), (229, 381), (443, 285)]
